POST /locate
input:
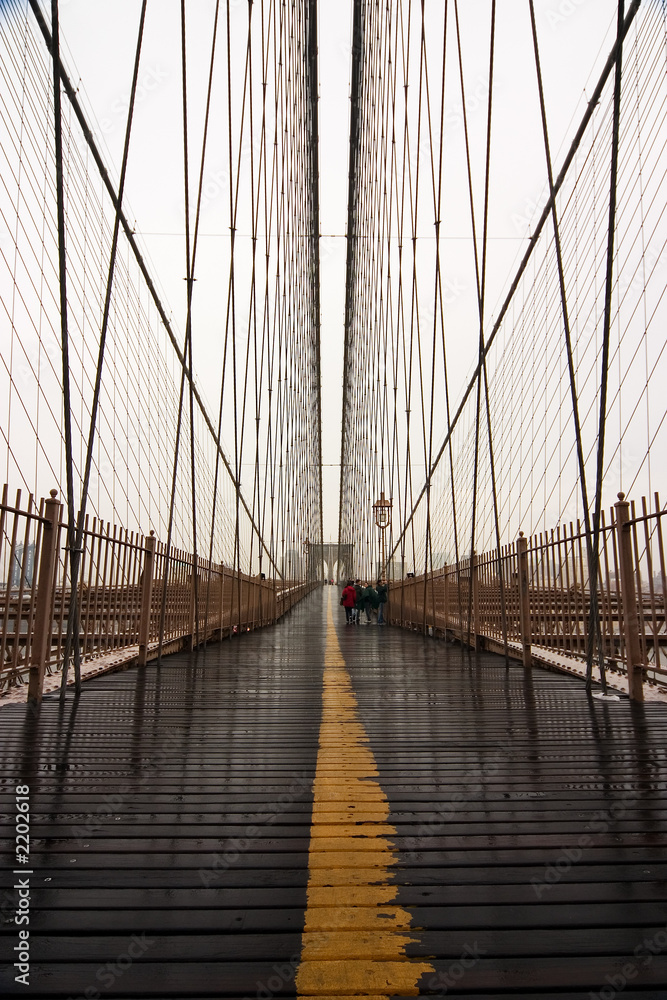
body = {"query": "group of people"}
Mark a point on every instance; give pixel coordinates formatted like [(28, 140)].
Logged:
[(356, 598)]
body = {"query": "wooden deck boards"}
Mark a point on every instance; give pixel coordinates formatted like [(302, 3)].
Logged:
[(531, 821)]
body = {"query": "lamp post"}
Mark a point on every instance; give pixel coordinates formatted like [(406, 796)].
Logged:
[(382, 512), (306, 546)]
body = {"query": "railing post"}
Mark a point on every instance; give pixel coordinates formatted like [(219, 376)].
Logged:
[(41, 645), (629, 600), (190, 644), (146, 598), (524, 598), (474, 583)]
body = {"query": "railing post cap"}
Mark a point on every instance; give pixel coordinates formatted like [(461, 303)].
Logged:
[(621, 497), (53, 494), (521, 534), (152, 533)]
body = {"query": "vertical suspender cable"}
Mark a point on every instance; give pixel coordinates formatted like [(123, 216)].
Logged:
[(492, 463), (313, 95), (479, 282), (71, 638), (482, 368), (186, 369), (194, 251), (439, 302), (567, 332), (189, 268), (67, 412), (534, 239), (594, 627), (353, 168)]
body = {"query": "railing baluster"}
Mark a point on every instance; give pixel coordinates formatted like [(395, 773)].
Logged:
[(524, 599), (629, 600), (639, 586), (651, 590), (44, 610), (663, 572)]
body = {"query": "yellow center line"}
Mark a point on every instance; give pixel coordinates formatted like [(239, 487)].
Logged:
[(354, 939)]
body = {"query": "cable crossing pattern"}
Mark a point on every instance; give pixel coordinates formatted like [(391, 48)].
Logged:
[(193, 412), (503, 369), (562, 403)]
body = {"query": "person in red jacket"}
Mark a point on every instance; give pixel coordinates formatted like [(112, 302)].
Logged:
[(349, 599)]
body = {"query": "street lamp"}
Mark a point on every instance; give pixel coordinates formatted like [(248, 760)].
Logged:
[(382, 512), (306, 546)]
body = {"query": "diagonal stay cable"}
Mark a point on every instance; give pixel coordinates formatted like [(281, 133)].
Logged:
[(130, 236), (594, 623)]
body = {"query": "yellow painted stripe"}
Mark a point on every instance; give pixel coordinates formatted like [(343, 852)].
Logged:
[(354, 939)]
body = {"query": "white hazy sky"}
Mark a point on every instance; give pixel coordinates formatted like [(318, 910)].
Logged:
[(99, 37)]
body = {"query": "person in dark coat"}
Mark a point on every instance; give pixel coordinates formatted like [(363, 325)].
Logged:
[(359, 591), (349, 600), (370, 601), (382, 592)]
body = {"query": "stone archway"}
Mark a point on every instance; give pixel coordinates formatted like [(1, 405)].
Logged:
[(330, 561)]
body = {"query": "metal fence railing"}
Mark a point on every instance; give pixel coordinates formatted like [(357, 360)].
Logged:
[(122, 595), (536, 594), (21, 533)]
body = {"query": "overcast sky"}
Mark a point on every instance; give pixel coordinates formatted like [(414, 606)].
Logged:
[(99, 37)]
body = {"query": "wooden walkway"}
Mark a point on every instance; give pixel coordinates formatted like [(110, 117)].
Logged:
[(310, 811)]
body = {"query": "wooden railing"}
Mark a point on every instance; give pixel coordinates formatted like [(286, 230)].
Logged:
[(536, 594), (120, 594)]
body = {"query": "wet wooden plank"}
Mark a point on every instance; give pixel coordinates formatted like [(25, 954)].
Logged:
[(281, 945), (171, 878), (491, 775), (163, 979), (621, 915)]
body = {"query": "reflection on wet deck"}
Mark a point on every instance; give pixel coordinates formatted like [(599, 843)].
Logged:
[(172, 817)]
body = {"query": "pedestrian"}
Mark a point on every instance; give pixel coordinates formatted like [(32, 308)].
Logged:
[(370, 602), (382, 592), (348, 600), (359, 603)]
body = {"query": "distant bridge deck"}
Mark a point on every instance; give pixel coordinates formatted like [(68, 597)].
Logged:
[(310, 810)]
